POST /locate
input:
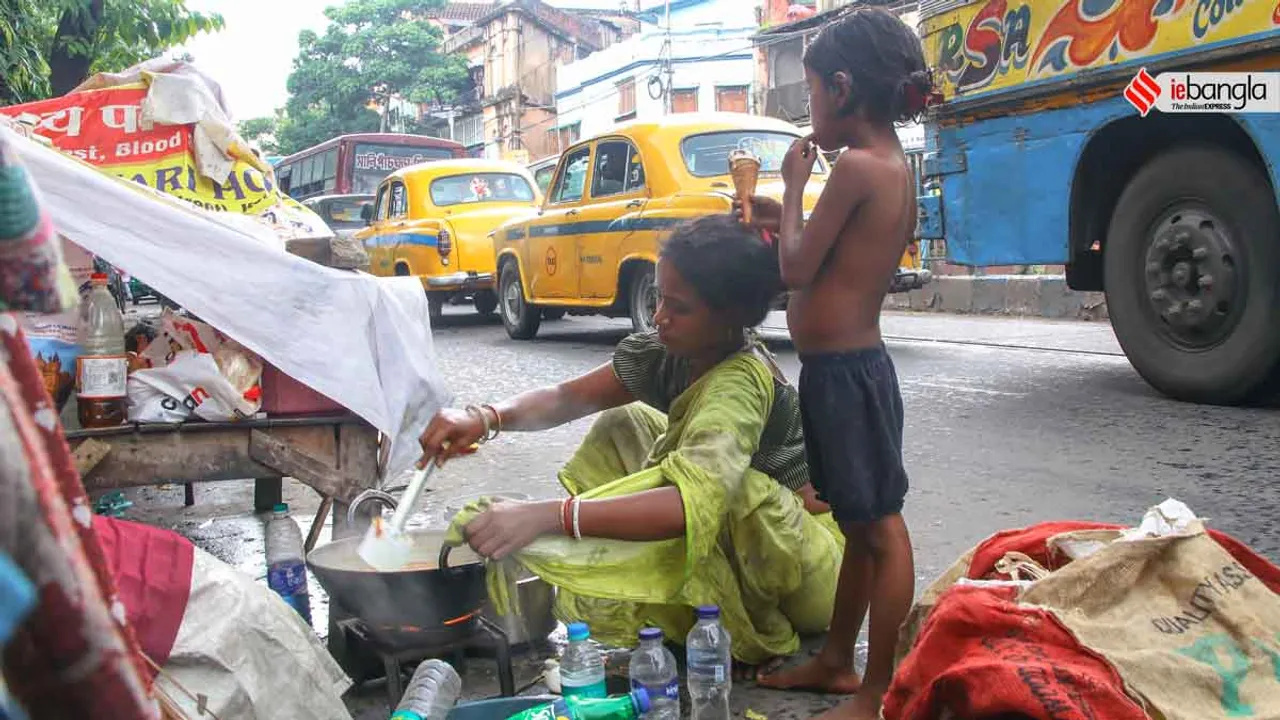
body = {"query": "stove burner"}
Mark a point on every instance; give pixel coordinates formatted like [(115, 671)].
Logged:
[(397, 646)]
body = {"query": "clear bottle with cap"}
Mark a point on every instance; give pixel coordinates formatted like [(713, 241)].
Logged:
[(581, 665), (653, 668), (431, 694), (102, 369), (710, 665), (286, 561)]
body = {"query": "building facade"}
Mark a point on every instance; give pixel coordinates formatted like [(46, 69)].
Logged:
[(705, 62), (513, 51)]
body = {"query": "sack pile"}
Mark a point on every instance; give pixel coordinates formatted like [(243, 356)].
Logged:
[(1088, 621)]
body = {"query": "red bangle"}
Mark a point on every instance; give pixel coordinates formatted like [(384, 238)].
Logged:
[(566, 522)]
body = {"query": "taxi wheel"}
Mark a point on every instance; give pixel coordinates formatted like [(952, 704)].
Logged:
[(519, 317), (435, 305), (485, 302), (644, 300)]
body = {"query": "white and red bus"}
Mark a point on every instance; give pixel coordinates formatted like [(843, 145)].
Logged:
[(355, 164)]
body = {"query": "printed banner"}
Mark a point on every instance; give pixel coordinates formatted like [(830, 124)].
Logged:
[(107, 128), (993, 45)]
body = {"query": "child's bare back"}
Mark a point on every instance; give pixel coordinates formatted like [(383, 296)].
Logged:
[(840, 308)]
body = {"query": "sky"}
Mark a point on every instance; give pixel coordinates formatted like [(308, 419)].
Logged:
[(252, 57)]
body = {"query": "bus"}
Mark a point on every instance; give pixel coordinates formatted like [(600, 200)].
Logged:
[(1064, 136), (355, 164)]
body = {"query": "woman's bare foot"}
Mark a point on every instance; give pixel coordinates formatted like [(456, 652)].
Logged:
[(742, 672), (816, 675), (864, 706)]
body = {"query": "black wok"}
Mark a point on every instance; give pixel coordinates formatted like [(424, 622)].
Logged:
[(437, 593)]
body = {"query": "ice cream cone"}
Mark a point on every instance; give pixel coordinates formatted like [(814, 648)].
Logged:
[(745, 170)]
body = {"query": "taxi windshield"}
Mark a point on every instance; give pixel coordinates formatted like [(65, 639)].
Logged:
[(707, 154), (480, 187)]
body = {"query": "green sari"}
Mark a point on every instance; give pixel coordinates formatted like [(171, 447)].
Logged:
[(750, 547)]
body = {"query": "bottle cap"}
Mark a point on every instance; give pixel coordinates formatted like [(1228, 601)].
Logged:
[(579, 631), (281, 508), (707, 612), (650, 633), (640, 697)]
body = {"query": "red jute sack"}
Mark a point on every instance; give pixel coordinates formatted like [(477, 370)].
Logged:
[(1182, 626)]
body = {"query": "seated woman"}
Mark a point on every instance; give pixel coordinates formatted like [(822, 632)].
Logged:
[(691, 488)]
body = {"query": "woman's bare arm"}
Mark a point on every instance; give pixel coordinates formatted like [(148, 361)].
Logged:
[(650, 515), (571, 400)]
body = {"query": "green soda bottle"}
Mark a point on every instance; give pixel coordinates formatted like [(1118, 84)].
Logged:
[(622, 707)]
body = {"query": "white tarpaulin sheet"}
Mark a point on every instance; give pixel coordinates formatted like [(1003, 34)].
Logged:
[(364, 342)]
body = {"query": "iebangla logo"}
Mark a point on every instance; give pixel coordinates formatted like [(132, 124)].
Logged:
[(1142, 92)]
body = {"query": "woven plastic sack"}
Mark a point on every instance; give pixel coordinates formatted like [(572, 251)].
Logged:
[(1076, 620)]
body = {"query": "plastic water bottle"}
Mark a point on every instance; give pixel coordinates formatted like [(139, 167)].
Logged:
[(432, 692), (286, 565), (623, 707), (653, 668), (710, 666), (582, 666), (102, 370)]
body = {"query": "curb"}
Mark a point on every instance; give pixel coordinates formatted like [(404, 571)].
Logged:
[(1045, 296)]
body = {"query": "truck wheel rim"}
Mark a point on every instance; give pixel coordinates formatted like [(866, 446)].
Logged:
[(1192, 285)]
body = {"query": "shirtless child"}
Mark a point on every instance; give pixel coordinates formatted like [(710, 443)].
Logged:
[(865, 72)]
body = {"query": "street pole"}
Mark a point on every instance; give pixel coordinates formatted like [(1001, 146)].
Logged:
[(669, 71)]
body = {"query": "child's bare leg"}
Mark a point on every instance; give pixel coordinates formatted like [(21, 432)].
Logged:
[(831, 670), (892, 590)]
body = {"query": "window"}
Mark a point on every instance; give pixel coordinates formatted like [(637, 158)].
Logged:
[(707, 155), (480, 187), (570, 134), (330, 176), (380, 213), (684, 100), (572, 182), (543, 177), (343, 212), (627, 99), (399, 200), (731, 99), (469, 130), (618, 169)]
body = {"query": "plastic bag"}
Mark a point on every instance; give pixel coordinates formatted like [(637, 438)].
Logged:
[(192, 381)]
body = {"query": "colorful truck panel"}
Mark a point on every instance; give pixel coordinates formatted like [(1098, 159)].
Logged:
[(1047, 151)]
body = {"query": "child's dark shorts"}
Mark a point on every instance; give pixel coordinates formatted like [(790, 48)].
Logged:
[(851, 408)]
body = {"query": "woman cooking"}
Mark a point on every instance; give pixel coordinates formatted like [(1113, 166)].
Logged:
[(691, 488)]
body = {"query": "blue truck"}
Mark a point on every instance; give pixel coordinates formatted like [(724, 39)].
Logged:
[(1106, 136)]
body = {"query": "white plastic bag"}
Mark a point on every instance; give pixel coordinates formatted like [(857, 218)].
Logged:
[(193, 380)]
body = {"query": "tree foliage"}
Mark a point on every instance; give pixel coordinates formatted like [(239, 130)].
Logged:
[(262, 132), (51, 46), (372, 50)]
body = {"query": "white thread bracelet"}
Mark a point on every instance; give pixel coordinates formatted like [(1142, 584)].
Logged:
[(577, 531)]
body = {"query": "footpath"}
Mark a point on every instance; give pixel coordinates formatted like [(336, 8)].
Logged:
[(1043, 296)]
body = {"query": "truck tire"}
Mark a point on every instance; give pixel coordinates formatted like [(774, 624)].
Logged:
[(643, 298), (521, 319), (1190, 276)]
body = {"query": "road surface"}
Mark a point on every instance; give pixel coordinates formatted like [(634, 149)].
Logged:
[(1008, 422)]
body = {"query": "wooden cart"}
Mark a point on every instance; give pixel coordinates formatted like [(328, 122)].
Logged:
[(338, 456)]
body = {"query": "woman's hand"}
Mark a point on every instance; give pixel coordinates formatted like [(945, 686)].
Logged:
[(509, 526), (797, 165), (766, 213), (449, 434)]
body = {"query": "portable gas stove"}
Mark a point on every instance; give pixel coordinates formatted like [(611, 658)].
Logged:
[(394, 647)]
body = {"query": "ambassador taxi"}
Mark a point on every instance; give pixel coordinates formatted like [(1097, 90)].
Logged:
[(593, 245), (435, 221)]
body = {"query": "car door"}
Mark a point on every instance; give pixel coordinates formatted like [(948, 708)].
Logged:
[(553, 259), (408, 247), (381, 248), (618, 197)]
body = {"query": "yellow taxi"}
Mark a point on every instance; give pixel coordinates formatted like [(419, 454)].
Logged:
[(435, 221), (592, 247)]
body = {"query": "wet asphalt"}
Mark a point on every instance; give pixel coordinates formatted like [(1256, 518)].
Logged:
[(1008, 422)]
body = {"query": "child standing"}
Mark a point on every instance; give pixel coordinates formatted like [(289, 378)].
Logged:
[(865, 73)]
